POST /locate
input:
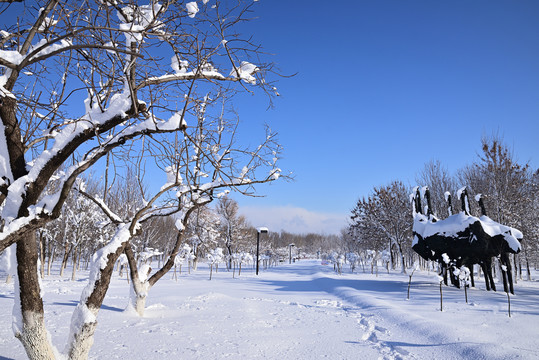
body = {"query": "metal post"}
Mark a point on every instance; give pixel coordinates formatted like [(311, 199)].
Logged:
[(258, 231), (257, 249), (290, 253)]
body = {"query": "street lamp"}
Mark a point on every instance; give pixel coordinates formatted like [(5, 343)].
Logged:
[(290, 252), (259, 230)]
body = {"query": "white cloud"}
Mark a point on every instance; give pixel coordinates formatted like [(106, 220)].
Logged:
[(294, 219)]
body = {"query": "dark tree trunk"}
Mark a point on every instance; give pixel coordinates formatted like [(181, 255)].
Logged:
[(31, 332), (42, 254)]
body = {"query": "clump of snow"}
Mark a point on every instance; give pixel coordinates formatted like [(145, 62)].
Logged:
[(47, 22), (11, 56), (136, 19), (511, 235), (275, 174), (447, 195), (143, 272), (179, 66), (173, 176), (175, 122), (192, 9), (445, 258), (424, 190), (460, 191), (245, 71)]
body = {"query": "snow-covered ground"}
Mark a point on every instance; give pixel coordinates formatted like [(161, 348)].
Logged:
[(298, 311)]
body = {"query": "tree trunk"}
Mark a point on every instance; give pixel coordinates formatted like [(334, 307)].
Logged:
[(64, 259), (83, 340), (42, 254), (515, 259), (403, 265), (229, 248), (140, 305), (50, 259), (29, 322), (84, 319), (138, 294), (49, 265), (139, 288), (391, 256), (528, 271), (74, 271)]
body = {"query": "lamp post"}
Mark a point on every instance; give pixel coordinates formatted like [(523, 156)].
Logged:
[(290, 253), (259, 230)]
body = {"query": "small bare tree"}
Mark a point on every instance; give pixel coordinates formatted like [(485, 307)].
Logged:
[(437, 178), (233, 225), (384, 216)]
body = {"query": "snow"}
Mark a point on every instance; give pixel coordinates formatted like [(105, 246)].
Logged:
[(179, 66), (11, 56), (453, 224), (137, 19), (43, 48), (298, 311), (245, 71), (447, 194), (423, 191), (192, 9), (459, 191), (275, 173), (175, 122)]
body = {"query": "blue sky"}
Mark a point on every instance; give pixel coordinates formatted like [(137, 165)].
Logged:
[(382, 87)]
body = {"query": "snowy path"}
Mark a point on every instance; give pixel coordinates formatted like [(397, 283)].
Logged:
[(258, 318), (298, 311)]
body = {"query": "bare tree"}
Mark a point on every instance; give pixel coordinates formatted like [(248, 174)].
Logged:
[(505, 186), (500, 179), (362, 228), (112, 58), (233, 225), (439, 181), (385, 215)]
